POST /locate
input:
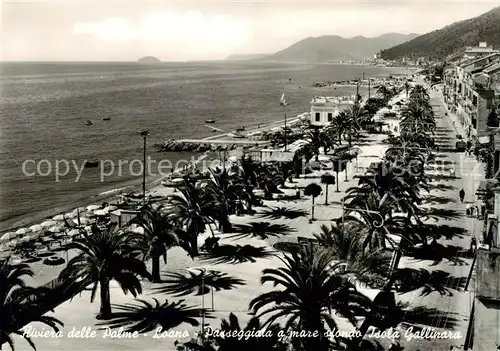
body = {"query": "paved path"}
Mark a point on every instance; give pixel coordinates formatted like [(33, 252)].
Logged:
[(454, 305)]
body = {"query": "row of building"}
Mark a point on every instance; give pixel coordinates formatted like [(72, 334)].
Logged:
[(472, 88), (472, 91)]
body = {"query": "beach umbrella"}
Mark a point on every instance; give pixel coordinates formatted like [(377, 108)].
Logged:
[(110, 208), (56, 229), (7, 237), (93, 207), (48, 223), (71, 214), (22, 231), (36, 228), (59, 217), (74, 232), (84, 220)]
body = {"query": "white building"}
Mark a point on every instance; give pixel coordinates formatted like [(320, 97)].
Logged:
[(482, 49), (324, 108)]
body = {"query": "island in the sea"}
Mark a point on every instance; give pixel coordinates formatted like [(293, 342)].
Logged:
[(149, 59)]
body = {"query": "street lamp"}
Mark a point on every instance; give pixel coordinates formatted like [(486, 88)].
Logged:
[(201, 272), (144, 134)]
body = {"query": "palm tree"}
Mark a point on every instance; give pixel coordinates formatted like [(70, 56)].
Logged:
[(311, 287), (105, 255), (374, 214), (191, 210), (159, 236), (313, 190), (327, 179), (345, 241), (338, 125), (223, 190), (316, 139), (385, 93), (18, 304)]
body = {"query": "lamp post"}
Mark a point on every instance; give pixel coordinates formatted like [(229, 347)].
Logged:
[(144, 135), (202, 274)]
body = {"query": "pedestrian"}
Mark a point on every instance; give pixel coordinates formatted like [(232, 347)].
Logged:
[(483, 209), (461, 194), (468, 210), (473, 245)]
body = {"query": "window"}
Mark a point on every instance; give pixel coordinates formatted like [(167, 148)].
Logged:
[(330, 117), (317, 117)]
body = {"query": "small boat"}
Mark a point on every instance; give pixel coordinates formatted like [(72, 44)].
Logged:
[(210, 121), (107, 118), (238, 136), (88, 123), (240, 129), (89, 164)]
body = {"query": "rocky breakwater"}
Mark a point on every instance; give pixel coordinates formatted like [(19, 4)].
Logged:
[(173, 145)]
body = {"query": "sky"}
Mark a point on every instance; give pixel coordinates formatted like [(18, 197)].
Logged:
[(68, 30)]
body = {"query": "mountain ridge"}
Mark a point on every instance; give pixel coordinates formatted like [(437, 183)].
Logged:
[(334, 48), (450, 39)]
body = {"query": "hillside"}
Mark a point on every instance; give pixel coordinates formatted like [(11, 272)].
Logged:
[(149, 59), (451, 39), (332, 48), (245, 57)]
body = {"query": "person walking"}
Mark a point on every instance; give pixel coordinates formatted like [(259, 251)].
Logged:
[(461, 194), (483, 210)]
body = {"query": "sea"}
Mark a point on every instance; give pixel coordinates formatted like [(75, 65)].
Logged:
[(45, 106)]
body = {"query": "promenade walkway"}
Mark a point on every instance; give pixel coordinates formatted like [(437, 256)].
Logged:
[(80, 313)]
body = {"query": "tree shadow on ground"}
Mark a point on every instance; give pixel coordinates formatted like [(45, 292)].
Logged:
[(441, 187), (144, 316), (261, 230), (430, 317), (197, 282), (438, 231), (437, 200), (436, 252), (280, 212), (234, 254), (287, 246), (442, 213), (409, 279)]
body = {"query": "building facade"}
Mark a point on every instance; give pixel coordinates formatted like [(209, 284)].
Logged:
[(324, 109), (471, 89)]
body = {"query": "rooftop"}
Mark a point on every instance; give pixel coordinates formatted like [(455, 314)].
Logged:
[(492, 68), (479, 59), (333, 99)]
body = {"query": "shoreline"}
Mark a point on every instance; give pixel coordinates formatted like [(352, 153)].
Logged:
[(152, 184)]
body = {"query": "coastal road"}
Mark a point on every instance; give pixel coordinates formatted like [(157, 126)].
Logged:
[(453, 305)]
